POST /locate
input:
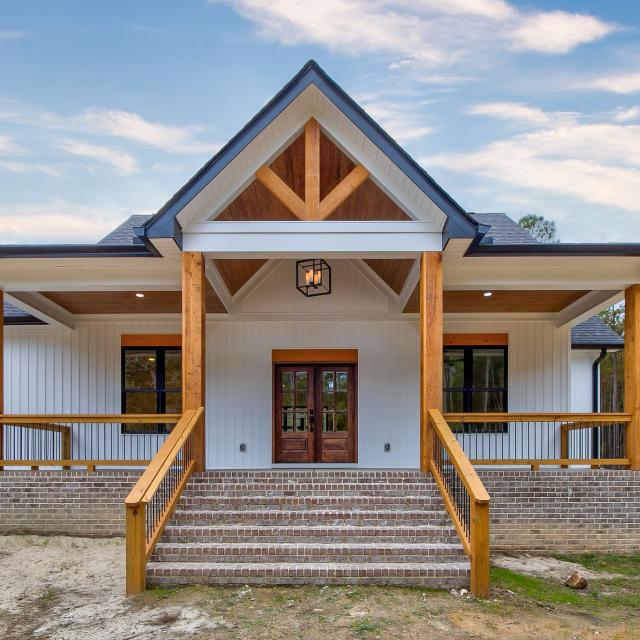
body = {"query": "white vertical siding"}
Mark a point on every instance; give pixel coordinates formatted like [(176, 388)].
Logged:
[(582, 379)]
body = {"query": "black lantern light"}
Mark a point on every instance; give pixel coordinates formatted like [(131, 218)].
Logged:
[(313, 277)]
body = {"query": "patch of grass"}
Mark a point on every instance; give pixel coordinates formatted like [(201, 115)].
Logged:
[(161, 592), (605, 563), (366, 627), (48, 598)]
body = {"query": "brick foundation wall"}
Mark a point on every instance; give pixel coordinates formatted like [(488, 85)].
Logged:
[(564, 511), (64, 502)]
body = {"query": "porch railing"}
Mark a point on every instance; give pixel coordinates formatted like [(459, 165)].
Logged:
[(542, 439), (465, 498), (82, 440), (151, 502)]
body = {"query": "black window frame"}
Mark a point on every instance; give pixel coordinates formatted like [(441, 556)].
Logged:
[(468, 389), (160, 389)]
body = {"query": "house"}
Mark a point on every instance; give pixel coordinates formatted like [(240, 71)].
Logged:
[(309, 309)]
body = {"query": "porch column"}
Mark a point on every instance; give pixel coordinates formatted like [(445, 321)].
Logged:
[(430, 348), (632, 371), (193, 345)]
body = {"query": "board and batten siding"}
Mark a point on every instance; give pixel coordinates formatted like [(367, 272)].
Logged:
[(582, 379), (59, 371)]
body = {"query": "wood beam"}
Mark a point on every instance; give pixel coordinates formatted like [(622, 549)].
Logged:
[(632, 372), (281, 190), (312, 170), (1, 374), (193, 345), (431, 348), (340, 193)]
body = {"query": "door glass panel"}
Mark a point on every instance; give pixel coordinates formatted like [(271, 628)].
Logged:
[(301, 389), (341, 394), (488, 368), (327, 421), (301, 422), (328, 390), (341, 422), (287, 421), (287, 389)]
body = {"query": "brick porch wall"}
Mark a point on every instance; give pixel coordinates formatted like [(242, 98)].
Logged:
[(564, 511), (67, 503)]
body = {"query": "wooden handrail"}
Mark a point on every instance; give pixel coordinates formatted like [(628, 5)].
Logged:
[(458, 457), (476, 540), (537, 417), (140, 538), (88, 418)]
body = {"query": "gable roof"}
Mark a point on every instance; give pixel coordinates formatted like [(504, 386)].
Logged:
[(503, 229), (15, 316), (125, 233), (164, 224), (594, 333)]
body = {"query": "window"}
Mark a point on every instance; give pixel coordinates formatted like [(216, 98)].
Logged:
[(151, 383), (475, 381)]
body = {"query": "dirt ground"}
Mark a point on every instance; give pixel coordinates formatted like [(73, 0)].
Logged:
[(72, 588)]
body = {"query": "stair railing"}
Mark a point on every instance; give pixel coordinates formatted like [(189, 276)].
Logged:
[(152, 501), (465, 498)]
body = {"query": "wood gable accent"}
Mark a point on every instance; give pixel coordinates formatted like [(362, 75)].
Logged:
[(312, 179), (393, 271), (236, 273)]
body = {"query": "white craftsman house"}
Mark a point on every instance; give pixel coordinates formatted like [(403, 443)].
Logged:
[(325, 304)]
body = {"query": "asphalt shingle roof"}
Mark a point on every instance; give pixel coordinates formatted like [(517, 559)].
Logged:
[(503, 230), (124, 234), (594, 332)]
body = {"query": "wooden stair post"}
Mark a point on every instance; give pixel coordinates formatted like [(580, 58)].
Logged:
[(136, 550), (431, 348), (193, 346), (632, 372)]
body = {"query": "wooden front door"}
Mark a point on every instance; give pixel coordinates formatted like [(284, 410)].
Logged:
[(315, 413)]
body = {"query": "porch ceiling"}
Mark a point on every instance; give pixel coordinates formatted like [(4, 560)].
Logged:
[(501, 301), (126, 302)]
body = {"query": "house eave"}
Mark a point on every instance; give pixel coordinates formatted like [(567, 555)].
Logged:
[(145, 250), (555, 250)]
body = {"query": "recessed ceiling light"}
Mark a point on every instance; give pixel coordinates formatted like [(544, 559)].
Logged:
[(487, 294), (139, 295)]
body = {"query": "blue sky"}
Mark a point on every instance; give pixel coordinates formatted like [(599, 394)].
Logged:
[(106, 109)]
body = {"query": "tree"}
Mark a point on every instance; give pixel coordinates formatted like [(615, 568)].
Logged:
[(612, 367), (540, 228)]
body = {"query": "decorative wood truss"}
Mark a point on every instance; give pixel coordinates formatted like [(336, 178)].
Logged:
[(312, 207)]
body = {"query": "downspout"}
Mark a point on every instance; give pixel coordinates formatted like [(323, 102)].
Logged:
[(595, 400)]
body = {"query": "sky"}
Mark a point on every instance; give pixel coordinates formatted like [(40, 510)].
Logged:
[(108, 108)]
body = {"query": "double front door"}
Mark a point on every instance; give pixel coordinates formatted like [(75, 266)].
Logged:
[(315, 413)]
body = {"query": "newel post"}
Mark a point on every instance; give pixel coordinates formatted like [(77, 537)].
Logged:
[(632, 372), (136, 549), (431, 345), (193, 346)]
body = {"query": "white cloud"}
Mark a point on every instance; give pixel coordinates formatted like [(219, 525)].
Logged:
[(26, 167), (7, 145), (124, 162), (12, 34), (626, 115), (523, 114), (622, 83), (108, 122), (430, 32), (558, 31), (596, 163), (403, 119), (57, 221)]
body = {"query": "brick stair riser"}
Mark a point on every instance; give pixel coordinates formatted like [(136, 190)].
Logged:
[(442, 576), (312, 475), (308, 517), (310, 502), (313, 487), (181, 556), (286, 492), (288, 534)]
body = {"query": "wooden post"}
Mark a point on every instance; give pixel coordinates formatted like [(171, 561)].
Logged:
[(1, 375), (480, 549), (65, 447), (431, 348), (136, 549), (632, 372), (564, 444), (312, 170), (193, 346)]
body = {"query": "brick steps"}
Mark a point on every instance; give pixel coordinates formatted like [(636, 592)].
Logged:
[(310, 533), (307, 552), (312, 526), (433, 575)]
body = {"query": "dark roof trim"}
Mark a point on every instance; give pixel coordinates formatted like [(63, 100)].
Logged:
[(145, 250), (24, 321), (542, 249), (594, 347), (459, 224)]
